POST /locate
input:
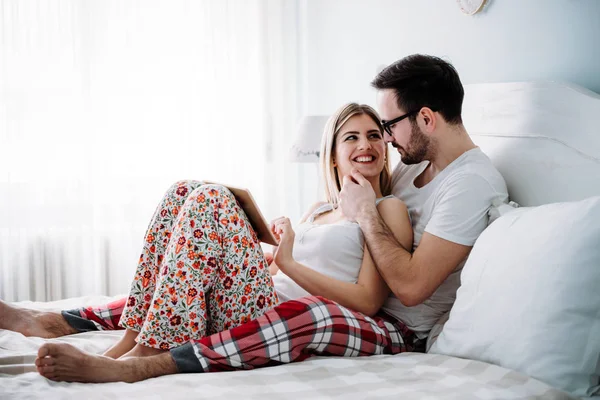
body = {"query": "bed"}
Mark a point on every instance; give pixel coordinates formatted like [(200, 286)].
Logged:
[(544, 139)]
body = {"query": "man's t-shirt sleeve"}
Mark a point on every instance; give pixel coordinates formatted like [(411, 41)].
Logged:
[(461, 207)]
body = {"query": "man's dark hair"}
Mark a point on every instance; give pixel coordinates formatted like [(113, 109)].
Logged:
[(424, 81)]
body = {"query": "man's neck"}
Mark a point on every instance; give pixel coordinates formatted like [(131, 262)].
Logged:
[(450, 145)]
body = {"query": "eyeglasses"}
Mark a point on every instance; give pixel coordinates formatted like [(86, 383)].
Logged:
[(388, 124)]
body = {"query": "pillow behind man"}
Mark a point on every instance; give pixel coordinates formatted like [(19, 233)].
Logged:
[(530, 297)]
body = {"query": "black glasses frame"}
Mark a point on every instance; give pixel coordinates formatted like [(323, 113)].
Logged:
[(387, 124)]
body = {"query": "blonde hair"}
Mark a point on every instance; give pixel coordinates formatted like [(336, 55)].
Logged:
[(329, 173)]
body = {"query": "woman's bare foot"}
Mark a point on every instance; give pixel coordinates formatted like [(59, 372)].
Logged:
[(125, 344), (63, 362), (28, 322), (142, 351)]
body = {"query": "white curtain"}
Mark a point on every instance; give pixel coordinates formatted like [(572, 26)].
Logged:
[(103, 104)]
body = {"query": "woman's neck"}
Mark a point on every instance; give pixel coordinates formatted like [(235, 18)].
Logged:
[(374, 181)]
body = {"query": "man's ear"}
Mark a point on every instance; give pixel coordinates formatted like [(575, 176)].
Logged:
[(428, 119)]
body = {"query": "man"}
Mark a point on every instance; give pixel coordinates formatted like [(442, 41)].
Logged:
[(448, 185)]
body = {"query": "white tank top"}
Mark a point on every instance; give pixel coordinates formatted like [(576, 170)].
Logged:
[(335, 250)]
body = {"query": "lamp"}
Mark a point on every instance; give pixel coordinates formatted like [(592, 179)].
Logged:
[(308, 139)]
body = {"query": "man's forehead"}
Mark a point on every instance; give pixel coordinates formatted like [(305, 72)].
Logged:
[(387, 102)]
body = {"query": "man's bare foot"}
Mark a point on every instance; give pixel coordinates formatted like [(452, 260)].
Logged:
[(143, 351), (63, 362), (28, 322), (125, 344)]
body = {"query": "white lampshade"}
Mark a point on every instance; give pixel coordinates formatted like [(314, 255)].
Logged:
[(308, 139)]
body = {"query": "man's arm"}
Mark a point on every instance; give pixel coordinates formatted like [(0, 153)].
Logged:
[(411, 277)]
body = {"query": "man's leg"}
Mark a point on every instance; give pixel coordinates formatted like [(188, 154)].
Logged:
[(290, 332), (294, 331), (28, 322)]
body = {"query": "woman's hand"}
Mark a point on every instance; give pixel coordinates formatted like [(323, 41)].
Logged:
[(282, 229), (273, 268)]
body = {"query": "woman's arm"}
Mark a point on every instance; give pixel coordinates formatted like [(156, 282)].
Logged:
[(273, 267), (370, 292)]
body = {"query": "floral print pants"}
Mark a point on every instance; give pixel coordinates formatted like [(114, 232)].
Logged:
[(201, 270)]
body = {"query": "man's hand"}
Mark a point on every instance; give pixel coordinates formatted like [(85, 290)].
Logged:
[(282, 229), (357, 196)]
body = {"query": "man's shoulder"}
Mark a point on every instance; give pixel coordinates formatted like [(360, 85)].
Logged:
[(476, 170)]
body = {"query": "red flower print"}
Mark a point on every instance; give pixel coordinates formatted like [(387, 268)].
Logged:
[(228, 283), (151, 341), (175, 320), (178, 339), (192, 223), (171, 291), (147, 274), (193, 315), (248, 289), (212, 262), (192, 292), (253, 272), (163, 213), (131, 301), (181, 190), (147, 297), (150, 238), (244, 300), (130, 322), (175, 210), (213, 236), (180, 243), (196, 265), (191, 255), (213, 192), (244, 241), (180, 264), (198, 234), (224, 221), (260, 303), (164, 346), (200, 199), (153, 249)]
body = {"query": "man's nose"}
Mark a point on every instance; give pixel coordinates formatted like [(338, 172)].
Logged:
[(388, 138)]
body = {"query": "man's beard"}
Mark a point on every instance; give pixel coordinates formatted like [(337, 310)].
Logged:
[(418, 148)]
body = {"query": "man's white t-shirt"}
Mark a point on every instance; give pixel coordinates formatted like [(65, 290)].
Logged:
[(453, 206)]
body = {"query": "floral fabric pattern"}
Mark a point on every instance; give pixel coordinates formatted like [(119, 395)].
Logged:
[(201, 270)]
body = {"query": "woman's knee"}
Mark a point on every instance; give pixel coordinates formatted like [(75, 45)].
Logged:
[(183, 187), (212, 190)]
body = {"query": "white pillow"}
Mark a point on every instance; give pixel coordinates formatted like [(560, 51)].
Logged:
[(530, 296)]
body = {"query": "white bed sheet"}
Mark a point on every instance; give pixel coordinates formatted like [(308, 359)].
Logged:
[(406, 376)]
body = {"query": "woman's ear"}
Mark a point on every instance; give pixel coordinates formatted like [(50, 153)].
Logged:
[(334, 163)]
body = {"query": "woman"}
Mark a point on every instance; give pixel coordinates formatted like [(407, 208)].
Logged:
[(202, 269)]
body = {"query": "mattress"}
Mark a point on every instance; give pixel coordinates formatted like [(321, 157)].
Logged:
[(405, 376)]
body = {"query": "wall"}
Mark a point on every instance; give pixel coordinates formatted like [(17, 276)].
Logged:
[(345, 41)]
